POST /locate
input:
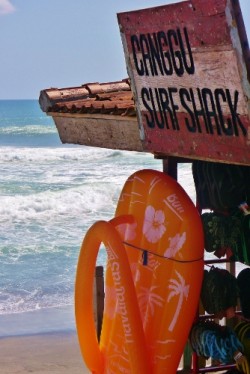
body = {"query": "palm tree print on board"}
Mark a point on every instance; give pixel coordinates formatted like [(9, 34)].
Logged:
[(180, 289)]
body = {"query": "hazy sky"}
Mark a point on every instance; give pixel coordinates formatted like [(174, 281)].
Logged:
[(63, 43)]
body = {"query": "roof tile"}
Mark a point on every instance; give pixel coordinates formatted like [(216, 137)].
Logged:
[(104, 98)]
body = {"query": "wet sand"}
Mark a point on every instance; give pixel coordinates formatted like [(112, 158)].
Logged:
[(55, 353)]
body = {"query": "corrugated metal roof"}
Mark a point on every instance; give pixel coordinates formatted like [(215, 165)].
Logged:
[(113, 98)]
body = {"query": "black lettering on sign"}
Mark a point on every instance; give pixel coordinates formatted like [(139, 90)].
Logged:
[(136, 48), (161, 107), (211, 114), (203, 110), (146, 102), (189, 67), (164, 104), (199, 112), (175, 53), (235, 117), (162, 53), (155, 55), (185, 99), (175, 107), (165, 54), (226, 125)]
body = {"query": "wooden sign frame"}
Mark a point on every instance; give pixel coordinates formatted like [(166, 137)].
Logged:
[(189, 68)]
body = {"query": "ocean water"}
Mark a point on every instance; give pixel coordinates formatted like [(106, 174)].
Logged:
[(50, 194)]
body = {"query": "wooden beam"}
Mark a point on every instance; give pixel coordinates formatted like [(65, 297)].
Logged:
[(105, 131)]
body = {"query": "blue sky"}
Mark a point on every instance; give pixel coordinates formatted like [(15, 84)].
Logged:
[(63, 43)]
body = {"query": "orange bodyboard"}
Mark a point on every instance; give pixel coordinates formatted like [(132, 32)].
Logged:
[(157, 278)]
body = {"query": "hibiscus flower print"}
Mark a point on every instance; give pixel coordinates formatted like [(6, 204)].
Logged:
[(154, 224), (175, 245), (127, 231)]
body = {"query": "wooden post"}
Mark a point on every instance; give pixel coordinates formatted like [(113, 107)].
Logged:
[(99, 298), (170, 167)]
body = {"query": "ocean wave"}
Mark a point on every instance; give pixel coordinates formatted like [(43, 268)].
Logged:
[(114, 154), (63, 153), (29, 301), (28, 130), (49, 197), (38, 280), (49, 205)]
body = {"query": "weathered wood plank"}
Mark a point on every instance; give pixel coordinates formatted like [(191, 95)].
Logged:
[(188, 65), (105, 131)]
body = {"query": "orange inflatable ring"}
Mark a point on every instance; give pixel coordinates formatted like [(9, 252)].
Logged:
[(93, 355)]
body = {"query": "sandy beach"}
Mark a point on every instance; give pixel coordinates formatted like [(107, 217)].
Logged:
[(41, 341), (55, 353)]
